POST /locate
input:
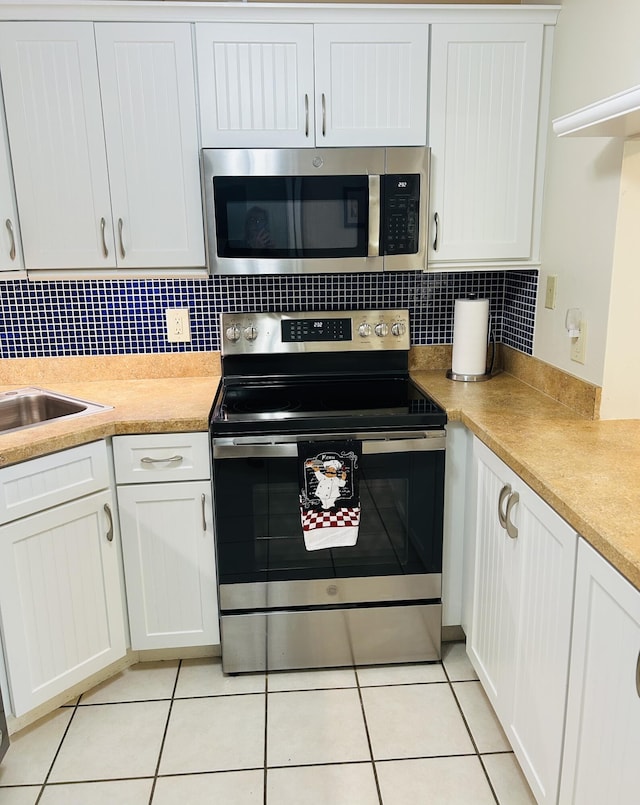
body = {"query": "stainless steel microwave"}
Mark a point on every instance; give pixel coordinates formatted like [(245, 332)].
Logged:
[(309, 211)]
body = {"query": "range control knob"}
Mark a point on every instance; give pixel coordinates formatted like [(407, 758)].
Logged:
[(233, 333), (398, 328), (365, 330), (382, 329), (250, 333)]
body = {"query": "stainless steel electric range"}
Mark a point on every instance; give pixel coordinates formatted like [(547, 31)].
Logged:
[(328, 474)]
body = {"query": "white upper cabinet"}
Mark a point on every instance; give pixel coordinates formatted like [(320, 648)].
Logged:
[(54, 118), (483, 131), (10, 243), (371, 84), (255, 84), (150, 124), (122, 194), (304, 85)]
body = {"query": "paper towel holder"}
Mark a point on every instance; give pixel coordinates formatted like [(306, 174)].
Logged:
[(488, 374)]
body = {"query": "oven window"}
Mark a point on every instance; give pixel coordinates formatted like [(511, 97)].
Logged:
[(259, 535), (291, 217)]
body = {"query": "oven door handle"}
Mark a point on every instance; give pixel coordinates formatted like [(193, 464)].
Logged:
[(428, 442)]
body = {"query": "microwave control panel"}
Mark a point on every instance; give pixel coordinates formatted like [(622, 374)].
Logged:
[(401, 203)]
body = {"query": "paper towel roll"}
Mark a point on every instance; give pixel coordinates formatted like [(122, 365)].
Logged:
[(470, 330)]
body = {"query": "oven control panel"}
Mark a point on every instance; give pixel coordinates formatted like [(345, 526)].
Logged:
[(316, 331)]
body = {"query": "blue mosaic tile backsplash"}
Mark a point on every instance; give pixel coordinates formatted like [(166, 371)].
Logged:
[(115, 317)]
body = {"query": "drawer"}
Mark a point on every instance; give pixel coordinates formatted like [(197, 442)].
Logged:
[(160, 457), (43, 482)]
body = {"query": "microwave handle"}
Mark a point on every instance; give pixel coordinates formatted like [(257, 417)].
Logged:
[(374, 216)]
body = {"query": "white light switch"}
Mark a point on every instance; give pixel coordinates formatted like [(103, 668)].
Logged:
[(550, 295)]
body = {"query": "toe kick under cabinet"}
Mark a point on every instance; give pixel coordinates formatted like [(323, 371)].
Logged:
[(166, 518), (60, 585)]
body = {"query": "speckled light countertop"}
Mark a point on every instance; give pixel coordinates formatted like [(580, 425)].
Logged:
[(588, 471)]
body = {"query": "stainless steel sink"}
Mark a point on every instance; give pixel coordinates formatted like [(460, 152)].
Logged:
[(27, 407)]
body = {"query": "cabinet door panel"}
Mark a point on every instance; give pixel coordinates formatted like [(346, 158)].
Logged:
[(603, 712), (167, 539), (60, 599), (54, 118), (255, 84), (483, 124), (547, 553), (371, 84), (148, 95), (10, 241), (493, 632)]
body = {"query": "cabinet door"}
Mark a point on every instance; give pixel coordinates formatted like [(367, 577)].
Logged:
[(148, 96), (600, 762), (255, 84), (54, 118), (10, 243), (492, 640), (60, 598), (167, 542), (546, 557), (521, 622), (483, 124), (371, 84)]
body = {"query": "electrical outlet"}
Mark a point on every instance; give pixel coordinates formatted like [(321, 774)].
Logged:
[(550, 295), (178, 324), (579, 344)]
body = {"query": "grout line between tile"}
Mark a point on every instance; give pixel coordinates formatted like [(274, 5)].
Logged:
[(366, 729), (473, 740), (55, 757), (164, 734)]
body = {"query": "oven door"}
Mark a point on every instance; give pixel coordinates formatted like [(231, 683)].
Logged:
[(262, 559)]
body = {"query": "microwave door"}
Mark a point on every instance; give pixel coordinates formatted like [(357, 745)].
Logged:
[(374, 216)]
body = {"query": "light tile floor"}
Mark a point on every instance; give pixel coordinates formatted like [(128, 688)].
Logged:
[(181, 733)]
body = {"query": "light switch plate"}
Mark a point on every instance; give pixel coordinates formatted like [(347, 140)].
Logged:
[(550, 294)]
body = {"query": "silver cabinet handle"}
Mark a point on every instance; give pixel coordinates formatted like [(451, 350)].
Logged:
[(203, 500), (512, 530), (171, 460), (105, 251), (12, 250), (324, 116), (306, 114), (373, 247), (638, 675), (504, 492), (107, 511), (436, 220), (123, 254)]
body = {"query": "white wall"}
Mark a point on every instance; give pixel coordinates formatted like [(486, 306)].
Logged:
[(596, 54)]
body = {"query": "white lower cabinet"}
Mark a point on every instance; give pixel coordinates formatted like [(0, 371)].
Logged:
[(602, 743), (521, 616), (167, 540), (60, 588)]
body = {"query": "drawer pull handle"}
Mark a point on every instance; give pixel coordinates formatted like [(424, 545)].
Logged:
[(638, 675), (512, 530), (203, 500), (306, 114), (506, 490), (105, 251), (12, 250), (107, 511), (123, 254), (172, 460)]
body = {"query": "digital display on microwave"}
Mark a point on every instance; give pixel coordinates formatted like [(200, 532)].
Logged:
[(291, 217)]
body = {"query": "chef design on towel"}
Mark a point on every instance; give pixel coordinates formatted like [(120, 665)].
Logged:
[(329, 499)]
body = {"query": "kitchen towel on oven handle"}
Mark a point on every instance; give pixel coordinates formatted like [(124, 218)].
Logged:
[(329, 493)]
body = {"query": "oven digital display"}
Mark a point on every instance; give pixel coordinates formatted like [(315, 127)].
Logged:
[(316, 330)]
